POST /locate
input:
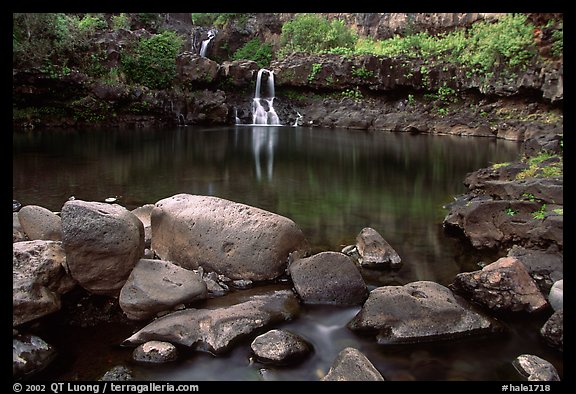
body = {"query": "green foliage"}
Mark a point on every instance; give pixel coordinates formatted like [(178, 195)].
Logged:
[(354, 94), (411, 99), (316, 67), (154, 62), (217, 19), (311, 33), (120, 21), (149, 20), (90, 23), (541, 213), (510, 212), (362, 72), (255, 50), (558, 42), (500, 165)]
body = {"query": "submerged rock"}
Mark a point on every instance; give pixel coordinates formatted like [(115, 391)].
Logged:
[(30, 354), (420, 311), (352, 365), (280, 347), (233, 239), (504, 285), (535, 368), (103, 242), (215, 330), (328, 278), (155, 352)]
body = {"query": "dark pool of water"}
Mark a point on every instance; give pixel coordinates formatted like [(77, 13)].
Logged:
[(332, 183)]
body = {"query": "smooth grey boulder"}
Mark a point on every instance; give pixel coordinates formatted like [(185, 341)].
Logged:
[(328, 278), (155, 352), (502, 285), (30, 354), (40, 223), (103, 243), (38, 279), (553, 330), (420, 311), (216, 330), (280, 347), (375, 252), (352, 365), (156, 285), (233, 239), (535, 369), (556, 295)]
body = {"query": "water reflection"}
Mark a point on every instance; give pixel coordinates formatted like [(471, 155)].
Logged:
[(264, 140)]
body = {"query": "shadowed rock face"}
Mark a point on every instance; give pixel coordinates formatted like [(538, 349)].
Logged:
[(328, 278), (215, 330), (236, 240), (103, 242), (418, 312)]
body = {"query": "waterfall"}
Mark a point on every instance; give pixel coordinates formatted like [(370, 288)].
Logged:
[(211, 34), (236, 118), (264, 115)]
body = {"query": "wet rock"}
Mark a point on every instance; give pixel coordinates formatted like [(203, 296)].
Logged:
[(38, 279), (16, 205), (420, 311), (103, 242), (40, 223), (544, 266), (216, 330), (118, 373), (143, 213), (556, 295), (30, 354), (238, 72), (504, 285), (156, 285), (553, 330), (280, 347), (155, 352), (352, 365), (236, 240), (328, 278), (534, 368), (214, 286), (194, 70), (374, 251), (18, 234), (242, 284)]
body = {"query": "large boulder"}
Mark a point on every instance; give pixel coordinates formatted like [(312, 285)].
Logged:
[(216, 330), (544, 266), (103, 243), (143, 213), (40, 223), (38, 279), (156, 286), (328, 278), (352, 365), (233, 239), (504, 285), (420, 311)]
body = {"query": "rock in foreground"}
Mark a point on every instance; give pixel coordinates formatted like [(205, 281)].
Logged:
[(352, 365), (418, 312), (280, 347)]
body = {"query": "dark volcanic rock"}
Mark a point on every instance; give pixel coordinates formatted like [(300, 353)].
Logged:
[(553, 330), (421, 311), (544, 266), (30, 354)]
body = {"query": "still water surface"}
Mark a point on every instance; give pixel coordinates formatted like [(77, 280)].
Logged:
[(332, 183)]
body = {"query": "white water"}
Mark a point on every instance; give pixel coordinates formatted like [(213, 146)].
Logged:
[(204, 47), (264, 114)]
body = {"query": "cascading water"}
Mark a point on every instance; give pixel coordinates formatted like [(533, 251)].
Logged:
[(264, 114), (211, 34)]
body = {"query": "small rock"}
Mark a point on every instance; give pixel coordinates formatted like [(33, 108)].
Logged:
[(242, 284), (155, 352), (352, 365), (553, 330), (535, 368), (16, 206), (375, 252), (280, 347), (118, 373)]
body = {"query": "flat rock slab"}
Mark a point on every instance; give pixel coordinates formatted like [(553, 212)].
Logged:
[(420, 311), (156, 286), (352, 365), (328, 278), (215, 330), (233, 239)]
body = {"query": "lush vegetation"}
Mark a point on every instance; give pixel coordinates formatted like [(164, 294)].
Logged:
[(313, 33), (255, 50)]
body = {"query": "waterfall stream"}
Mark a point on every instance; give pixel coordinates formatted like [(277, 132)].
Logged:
[(264, 114)]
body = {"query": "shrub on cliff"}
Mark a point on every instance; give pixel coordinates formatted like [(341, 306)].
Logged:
[(255, 50), (311, 33), (153, 63)]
